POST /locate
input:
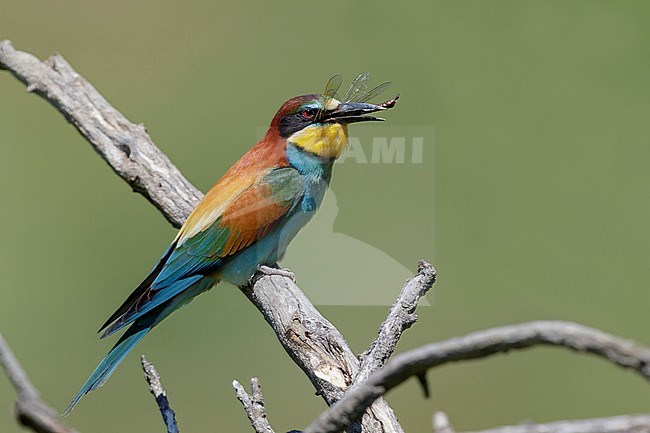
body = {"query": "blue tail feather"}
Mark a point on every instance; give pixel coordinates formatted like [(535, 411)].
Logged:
[(134, 334), (110, 363)]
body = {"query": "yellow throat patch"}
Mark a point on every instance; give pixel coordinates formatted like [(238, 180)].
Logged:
[(325, 140)]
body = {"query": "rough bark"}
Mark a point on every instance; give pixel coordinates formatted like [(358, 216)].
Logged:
[(125, 146)]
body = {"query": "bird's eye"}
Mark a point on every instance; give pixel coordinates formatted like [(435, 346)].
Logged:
[(309, 113)]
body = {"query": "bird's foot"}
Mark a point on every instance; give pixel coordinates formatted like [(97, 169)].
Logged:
[(270, 270)]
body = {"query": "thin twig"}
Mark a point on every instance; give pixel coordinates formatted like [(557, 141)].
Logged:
[(614, 424), (156, 388), (29, 408), (253, 405), (479, 345), (401, 317)]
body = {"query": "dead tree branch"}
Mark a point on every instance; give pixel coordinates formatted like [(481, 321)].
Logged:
[(253, 405), (29, 408), (314, 344), (155, 386), (319, 349), (125, 146), (308, 337), (480, 345), (400, 318), (615, 424)]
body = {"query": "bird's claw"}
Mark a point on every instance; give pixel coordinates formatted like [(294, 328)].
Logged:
[(269, 270)]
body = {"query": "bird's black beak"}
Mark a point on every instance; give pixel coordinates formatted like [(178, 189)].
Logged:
[(352, 112)]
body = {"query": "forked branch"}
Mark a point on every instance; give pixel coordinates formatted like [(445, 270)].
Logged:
[(480, 345), (253, 405), (400, 317)]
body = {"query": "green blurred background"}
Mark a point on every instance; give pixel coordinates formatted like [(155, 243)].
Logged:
[(532, 202)]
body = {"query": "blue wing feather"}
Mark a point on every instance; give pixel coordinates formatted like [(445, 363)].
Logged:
[(193, 256), (156, 299)]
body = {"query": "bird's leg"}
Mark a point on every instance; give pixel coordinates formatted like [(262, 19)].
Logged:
[(276, 270)]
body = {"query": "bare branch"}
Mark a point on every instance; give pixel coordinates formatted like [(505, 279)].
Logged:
[(479, 345), (29, 409), (125, 146), (253, 405), (314, 344), (25, 390), (318, 347), (310, 340), (401, 317), (615, 424), (155, 386)]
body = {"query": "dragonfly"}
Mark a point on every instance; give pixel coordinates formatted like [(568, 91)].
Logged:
[(357, 91)]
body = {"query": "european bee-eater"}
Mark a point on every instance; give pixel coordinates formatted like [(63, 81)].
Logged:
[(248, 217)]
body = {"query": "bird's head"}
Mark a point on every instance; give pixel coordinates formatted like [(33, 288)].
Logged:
[(319, 124)]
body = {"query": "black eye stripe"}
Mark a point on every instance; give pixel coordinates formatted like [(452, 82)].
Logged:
[(292, 123)]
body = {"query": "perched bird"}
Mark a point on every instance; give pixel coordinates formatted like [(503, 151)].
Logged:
[(248, 217)]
